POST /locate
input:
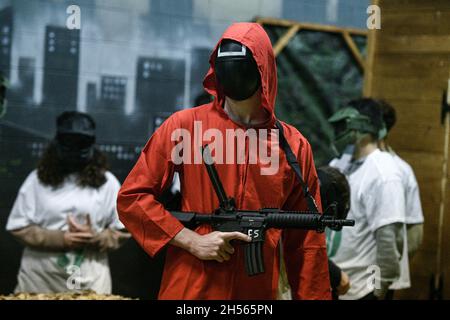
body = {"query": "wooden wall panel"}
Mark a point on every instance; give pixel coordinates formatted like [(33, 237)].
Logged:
[(414, 6), (431, 21), (409, 65)]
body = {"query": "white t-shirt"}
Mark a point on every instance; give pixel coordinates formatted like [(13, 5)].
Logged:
[(48, 207), (414, 213), (377, 199)]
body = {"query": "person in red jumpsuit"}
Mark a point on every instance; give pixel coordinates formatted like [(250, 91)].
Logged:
[(207, 264)]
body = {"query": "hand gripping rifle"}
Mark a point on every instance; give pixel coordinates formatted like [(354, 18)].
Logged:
[(227, 218)]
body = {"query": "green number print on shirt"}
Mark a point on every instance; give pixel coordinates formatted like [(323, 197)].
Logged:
[(333, 242), (64, 259)]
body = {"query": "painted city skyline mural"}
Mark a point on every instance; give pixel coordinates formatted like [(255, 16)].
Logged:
[(124, 83), (130, 61)]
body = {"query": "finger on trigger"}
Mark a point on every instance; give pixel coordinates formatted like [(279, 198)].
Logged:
[(225, 256), (241, 236), (228, 248)]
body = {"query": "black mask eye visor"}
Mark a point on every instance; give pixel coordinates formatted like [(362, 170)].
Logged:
[(74, 141), (236, 70)]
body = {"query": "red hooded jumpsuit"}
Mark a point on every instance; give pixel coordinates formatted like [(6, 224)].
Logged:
[(187, 277)]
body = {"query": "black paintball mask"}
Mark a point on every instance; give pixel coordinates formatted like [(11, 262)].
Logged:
[(75, 138), (237, 73)]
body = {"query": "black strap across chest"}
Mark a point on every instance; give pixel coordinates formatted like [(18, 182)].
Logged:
[(292, 160)]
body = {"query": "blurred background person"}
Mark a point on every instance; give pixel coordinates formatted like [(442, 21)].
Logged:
[(335, 196), (65, 214), (371, 251)]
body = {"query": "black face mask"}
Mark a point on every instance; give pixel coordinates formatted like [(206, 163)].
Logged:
[(75, 138), (74, 150), (236, 71)]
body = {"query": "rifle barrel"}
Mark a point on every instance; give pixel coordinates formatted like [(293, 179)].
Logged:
[(307, 221)]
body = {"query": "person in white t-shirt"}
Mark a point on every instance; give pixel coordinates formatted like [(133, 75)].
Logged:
[(370, 252), (414, 213), (65, 214)]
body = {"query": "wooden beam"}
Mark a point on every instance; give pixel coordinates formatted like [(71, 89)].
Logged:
[(412, 65), (354, 50), (406, 22), (258, 20), (309, 26), (370, 57), (424, 44), (284, 40)]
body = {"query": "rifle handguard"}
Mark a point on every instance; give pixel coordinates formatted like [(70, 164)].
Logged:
[(306, 221)]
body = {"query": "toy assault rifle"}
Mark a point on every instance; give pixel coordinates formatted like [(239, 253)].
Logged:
[(227, 218)]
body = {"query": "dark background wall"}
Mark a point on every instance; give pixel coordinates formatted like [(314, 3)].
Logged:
[(132, 63)]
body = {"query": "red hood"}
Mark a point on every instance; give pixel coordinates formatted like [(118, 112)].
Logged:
[(254, 37)]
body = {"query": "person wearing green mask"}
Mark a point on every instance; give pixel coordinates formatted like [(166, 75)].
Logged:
[(370, 253)]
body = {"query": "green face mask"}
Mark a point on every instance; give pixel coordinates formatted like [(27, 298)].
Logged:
[(344, 140), (349, 125)]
